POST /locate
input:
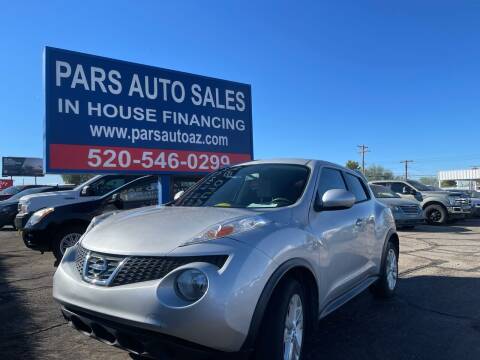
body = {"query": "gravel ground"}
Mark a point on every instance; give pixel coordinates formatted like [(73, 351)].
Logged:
[(435, 315)]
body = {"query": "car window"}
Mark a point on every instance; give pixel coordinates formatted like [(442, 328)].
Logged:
[(355, 185), (12, 190), (330, 179), (108, 183), (141, 191), (398, 187), (249, 186)]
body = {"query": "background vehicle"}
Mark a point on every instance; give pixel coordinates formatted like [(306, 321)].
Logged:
[(439, 206), (474, 196), (57, 228), (407, 213), (92, 189), (9, 207), (12, 190), (248, 258)]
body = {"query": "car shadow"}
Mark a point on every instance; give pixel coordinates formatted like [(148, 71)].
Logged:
[(15, 317), (431, 317)]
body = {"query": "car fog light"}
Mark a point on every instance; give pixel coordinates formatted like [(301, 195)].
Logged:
[(191, 284)]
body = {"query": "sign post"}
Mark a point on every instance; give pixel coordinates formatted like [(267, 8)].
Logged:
[(110, 116)]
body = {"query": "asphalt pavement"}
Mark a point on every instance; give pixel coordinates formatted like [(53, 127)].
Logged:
[(434, 315)]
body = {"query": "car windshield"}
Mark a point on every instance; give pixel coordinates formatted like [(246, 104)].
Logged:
[(249, 186), (25, 192), (383, 192), (12, 190), (419, 186)]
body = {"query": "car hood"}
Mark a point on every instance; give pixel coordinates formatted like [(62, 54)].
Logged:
[(54, 198), (155, 230), (440, 193), (397, 202)]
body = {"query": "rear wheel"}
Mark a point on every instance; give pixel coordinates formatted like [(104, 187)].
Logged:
[(387, 283), (66, 238), (436, 214), (284, 326)]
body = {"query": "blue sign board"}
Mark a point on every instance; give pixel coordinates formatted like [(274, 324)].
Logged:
[(105, 115)]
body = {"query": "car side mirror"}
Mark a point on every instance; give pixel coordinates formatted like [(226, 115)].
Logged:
[(335, 199), (406, 191), (178, 195), (86, 191), (116, 201)]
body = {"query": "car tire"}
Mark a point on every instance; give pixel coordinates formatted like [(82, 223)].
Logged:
[(386, 285), (284, 324), (436, 214), (66, 236)]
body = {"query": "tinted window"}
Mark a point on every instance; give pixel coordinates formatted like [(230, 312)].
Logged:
[(398, 187), (330, 179), (141, 191), (109, 183), (355, 185), (249, 186)]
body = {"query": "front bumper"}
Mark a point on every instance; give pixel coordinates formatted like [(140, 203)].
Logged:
[(220, 320), (459, 211), (21, 220), (39, 240), (133, 338)]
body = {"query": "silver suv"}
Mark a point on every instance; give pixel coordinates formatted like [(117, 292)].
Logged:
[(247, 261), (439, 206)]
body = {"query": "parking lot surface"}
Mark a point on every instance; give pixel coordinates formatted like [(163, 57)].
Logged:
[(435, 314)]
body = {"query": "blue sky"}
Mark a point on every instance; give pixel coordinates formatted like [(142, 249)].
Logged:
[(401, 77)]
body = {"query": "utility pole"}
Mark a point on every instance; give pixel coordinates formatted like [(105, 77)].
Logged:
[(406, 162), (363, 149)]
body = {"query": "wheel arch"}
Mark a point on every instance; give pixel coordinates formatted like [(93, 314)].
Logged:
[(297, 268), (434, 202)]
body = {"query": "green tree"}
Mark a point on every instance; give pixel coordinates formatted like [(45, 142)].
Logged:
[(377, 172), (429, 180), (76, 179), (353, 165), (448, 183)]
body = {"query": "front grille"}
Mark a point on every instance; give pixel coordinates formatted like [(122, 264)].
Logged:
[(135, 268), (143, 268), (410, 209), (462, 202)]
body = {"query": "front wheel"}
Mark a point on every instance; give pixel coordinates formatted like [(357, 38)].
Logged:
[(66, 238), (386, 285), (436, 214), (284, 326)]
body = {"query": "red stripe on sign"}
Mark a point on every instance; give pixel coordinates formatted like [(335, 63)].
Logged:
[(90, 157)]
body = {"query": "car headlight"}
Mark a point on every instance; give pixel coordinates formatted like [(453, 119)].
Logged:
[(23, 209), (229, 228), (191, 284), (452, 200), (395, 208), (39, 215), (97, 220)]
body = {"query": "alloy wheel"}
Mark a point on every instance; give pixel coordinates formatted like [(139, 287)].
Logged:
[(392, 269), (293, 332), (68, 241)]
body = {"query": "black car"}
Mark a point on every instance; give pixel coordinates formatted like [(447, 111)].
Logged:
[(9, 207), (13, 190), (57, 228)]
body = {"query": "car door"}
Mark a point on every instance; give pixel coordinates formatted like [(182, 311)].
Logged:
[(403, 189), (339, 235)]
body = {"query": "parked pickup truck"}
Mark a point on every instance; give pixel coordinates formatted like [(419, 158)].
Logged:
[(92, 189), (439, 206)]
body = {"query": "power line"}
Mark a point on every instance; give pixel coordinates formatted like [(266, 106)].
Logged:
[(406, 162), (363, 149)]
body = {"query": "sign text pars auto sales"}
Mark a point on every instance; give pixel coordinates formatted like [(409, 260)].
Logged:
[(105, 115)]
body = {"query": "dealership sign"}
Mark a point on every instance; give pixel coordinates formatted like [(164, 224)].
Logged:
[(5, 183), (22, 166), (105, 115)]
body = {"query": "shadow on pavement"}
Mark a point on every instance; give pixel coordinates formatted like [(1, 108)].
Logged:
[(429, 318), (15, 319)]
